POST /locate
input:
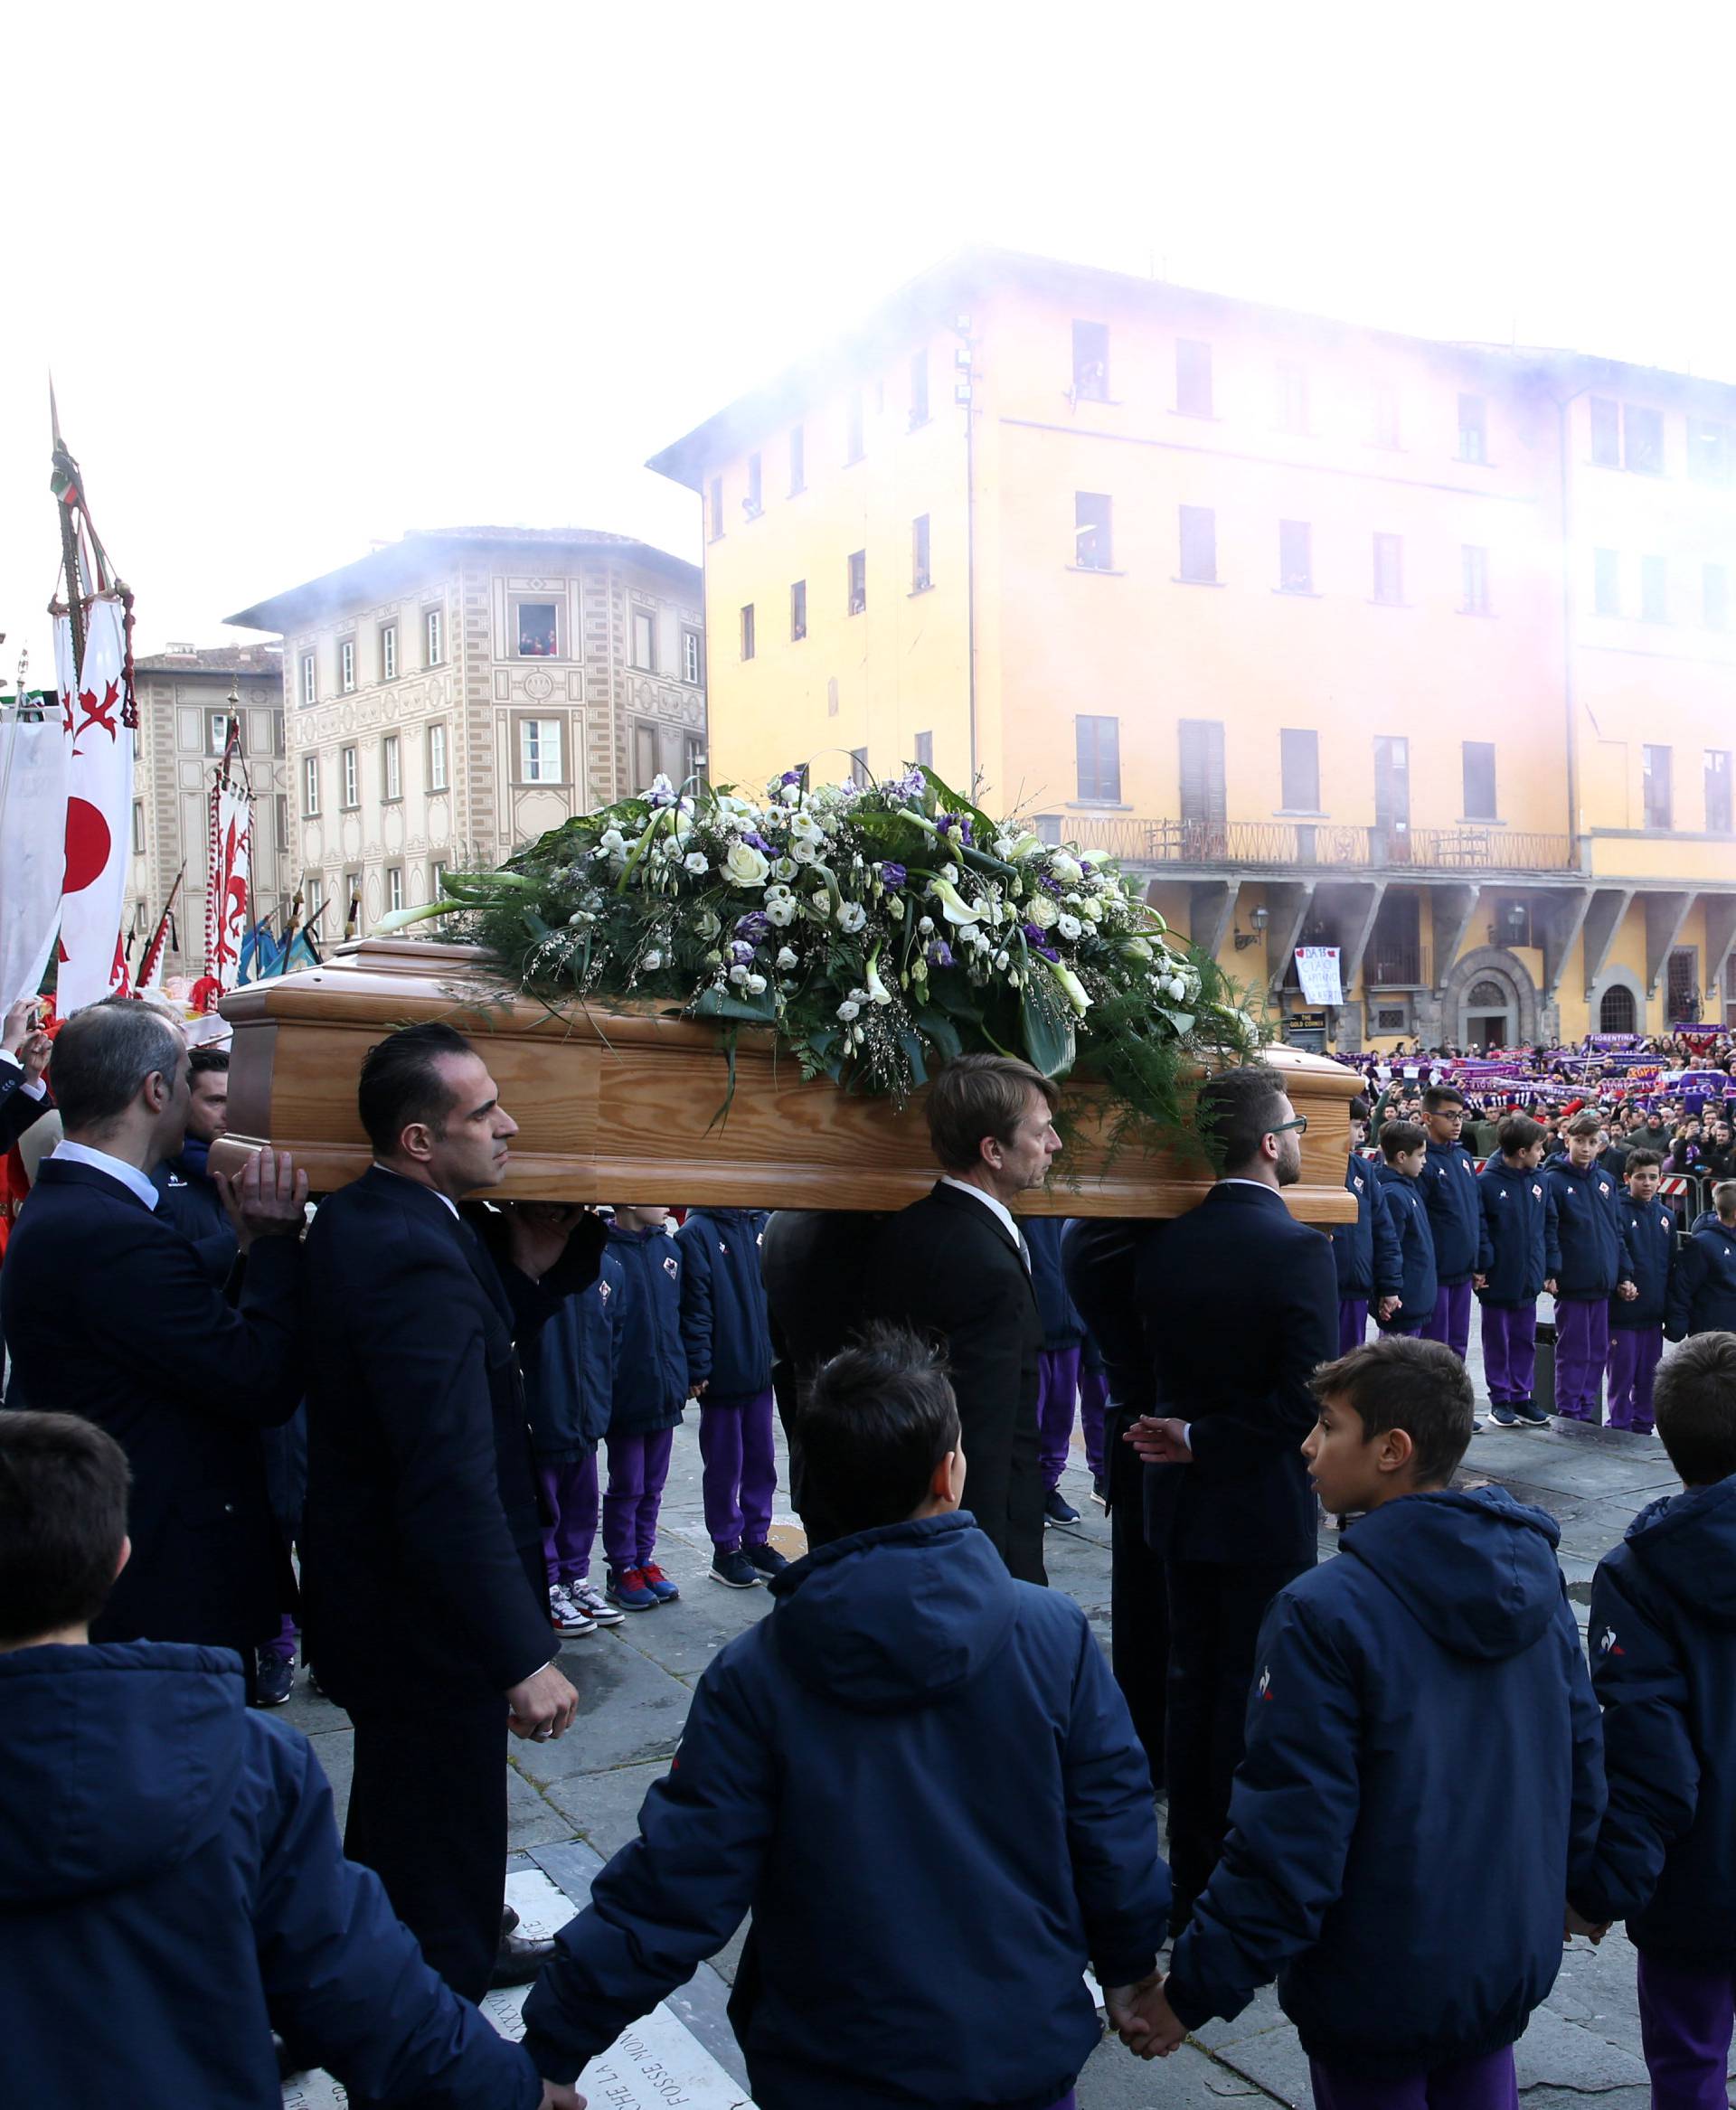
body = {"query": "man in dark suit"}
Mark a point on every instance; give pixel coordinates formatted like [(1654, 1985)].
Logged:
[(24, 1057), (426, 1605), (109, 1313), (954, 1265), (1239, 1304)]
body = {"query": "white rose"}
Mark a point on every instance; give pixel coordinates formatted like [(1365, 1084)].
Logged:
[(786, 960), (652, 961), (852, 917), (696, 861), (755, 984), (737, 975), (744, 866), (1070, 926), (782, 912), (1041, 911), (848, 1009), (1092, 908)]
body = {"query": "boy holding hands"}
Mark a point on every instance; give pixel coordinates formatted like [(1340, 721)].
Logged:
[(1585, 1234), (1636, 1322), (1511, 1269)]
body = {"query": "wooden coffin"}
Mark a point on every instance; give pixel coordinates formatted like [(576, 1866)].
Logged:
[(624, 1105)]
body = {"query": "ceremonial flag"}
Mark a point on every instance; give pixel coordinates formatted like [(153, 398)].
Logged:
[(98, 720), (33, 855), (231, 835), (149, 979)]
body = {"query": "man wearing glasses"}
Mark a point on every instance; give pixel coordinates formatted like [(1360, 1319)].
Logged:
[(1239, 1303)]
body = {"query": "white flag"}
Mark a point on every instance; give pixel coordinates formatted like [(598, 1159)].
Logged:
[(97, 721), (32, 855), (231, 826)]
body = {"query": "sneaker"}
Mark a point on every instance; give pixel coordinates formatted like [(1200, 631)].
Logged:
[(276, 1676), (1100, 1491), (593, 1603), (659, 1584), (631, 1592), (1504, 1414), (732, 1568), (1057, 1509), (765, 1559), (1529, 1414), (564, 1616)]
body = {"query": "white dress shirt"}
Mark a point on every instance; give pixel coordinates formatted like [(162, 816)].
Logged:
[(423, 1183), (994, 1202), (68, 1153)]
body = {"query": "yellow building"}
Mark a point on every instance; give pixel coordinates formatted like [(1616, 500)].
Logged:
[(1339, 636)]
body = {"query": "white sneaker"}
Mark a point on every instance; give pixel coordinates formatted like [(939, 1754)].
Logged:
[(593, 1603), (565, 1616)]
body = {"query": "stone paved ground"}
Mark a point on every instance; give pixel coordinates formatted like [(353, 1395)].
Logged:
[(572, 1804)]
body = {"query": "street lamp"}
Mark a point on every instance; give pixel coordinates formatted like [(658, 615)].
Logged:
[(1260, 917)]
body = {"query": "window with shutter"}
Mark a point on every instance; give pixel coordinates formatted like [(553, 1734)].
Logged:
[(1202, 785)]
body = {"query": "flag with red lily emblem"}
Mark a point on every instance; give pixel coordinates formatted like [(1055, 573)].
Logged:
[(98, 718), (229, 819)]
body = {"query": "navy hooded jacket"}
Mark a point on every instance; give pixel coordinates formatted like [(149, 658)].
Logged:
[(1651, 1249), (191, 1202), (1663, 1639), (1409, 1218), (570, 1364), (1366, 1252), (171, 1886), (651, 1371), (725, 1326), (1702, 1288), (1421, 1712), (1448, 1185), (1062, 1327), (1512, 1255), (1585, 1232), (919, 1776)]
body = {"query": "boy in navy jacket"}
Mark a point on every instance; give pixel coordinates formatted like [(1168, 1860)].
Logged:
[(1585, 1234), (1366, 1253), (1058, 1364), (651, 1390), (1436, 1663), (1510, 1268), (1448, 1183), (1403, 1147), (918, 1777), (726, 1331), (1636, 1321), (155, 1832), (1662, 1637), (1703, 1289)]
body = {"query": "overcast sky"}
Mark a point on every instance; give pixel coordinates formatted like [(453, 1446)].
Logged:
[(308, 276)]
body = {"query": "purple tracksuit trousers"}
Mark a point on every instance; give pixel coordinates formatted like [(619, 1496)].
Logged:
[(1057, 1396), (637, 1467), (1635, 1353), (1352, 1322), (1472, 2084), (1581, 1350), (1451, 1319), (740, 1469), (1684, 2029), (1509, 1352), (570, 1489)]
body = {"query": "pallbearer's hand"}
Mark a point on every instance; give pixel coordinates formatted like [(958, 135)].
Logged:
[(557, 2096), (266, 1199), (543, 1706)]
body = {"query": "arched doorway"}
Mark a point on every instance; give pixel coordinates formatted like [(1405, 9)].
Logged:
[(1615, 1012), (1490, 1015), (1490, 1001)]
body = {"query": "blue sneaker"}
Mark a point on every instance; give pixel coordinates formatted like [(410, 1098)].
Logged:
[(631, 1592), (659, 1584), (1530, 1413), (1503, 1414), (764, 1560)]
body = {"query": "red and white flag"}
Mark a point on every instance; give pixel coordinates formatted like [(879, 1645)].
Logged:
[(99, 717), (229, 824)]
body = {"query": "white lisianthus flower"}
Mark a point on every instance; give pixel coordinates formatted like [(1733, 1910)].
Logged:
[(784, 868), (785, 959), (805, 828), (1073, 988), (600, 855), (611, 839), (1067, 870), (918, 969), (1012, 978), (790, 794), (696, 861), (755, 984), (1001, 960), (852, 917), (783, 912), (925, 926), (744, 866), (1041, 911), (737, 975), (803, 852), (848, 1009), (1070, 927), (1177, 988), (1005, 847), (652, 961), (821, 900), (895, 906), (714, 959), (857, 1035), (950, 873)]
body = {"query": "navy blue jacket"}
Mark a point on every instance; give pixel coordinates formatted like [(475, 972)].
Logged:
[(1062, 1326), (725, 1325), (570, 1369), (1422, 1708), (1366, 1252), (191, 1202), (918, 1757), (19, 1109), (1651, 1249), (651, 1376), (1448, 1185), (1512, 1255), (1662, 1637), (1703, 1287), (151, 1825), (1408, 1216), (1585, 1232)]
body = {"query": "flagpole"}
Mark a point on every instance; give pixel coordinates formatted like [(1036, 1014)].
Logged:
[(66, 489)]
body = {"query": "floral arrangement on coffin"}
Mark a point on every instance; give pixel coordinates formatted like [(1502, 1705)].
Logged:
[(878, 931)]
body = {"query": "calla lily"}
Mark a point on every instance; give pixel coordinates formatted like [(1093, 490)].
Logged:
[(402, 919), (953, 905), (1073, 988)]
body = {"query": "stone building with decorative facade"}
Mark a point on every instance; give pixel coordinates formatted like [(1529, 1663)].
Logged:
[(184, 696), (453, 695)]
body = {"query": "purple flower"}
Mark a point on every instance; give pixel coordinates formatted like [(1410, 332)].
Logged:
[(939, 953), (740, 953), (893, 875), (1049, 885), (759, 843), (754, 926), (1038, 940), (955, 825), (791, 776)]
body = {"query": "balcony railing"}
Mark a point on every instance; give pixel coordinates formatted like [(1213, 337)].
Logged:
[(1322, 846)]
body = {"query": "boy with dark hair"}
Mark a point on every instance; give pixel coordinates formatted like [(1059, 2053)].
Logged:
[(1663, 1640), (1443, 1629), (148, 1820), (1370, 1269), (1510, 1268), (1702, 1288), (1448, 1185), (1404, 1149), (1585, 1237), (1636, 1321), (911, 1747), (651, 1390)]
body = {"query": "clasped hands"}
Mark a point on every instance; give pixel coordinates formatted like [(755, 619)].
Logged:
[(1142, 2017)]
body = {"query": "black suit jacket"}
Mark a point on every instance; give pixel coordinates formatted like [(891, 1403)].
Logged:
[(18, 1108), (1239, 1304), (945, 1266), (421, 1487), (109, 1312)]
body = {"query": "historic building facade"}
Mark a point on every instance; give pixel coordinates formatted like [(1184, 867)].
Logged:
[(1418, 649), (185, 696), (454, 694)]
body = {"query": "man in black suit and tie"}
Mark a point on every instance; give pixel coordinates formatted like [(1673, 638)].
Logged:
[(109, 1313), (955, 1265), (1239, 1304), (426, 1604)]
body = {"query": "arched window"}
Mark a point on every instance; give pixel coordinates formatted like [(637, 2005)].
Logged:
[(1616, 1012), (1487, 996)]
